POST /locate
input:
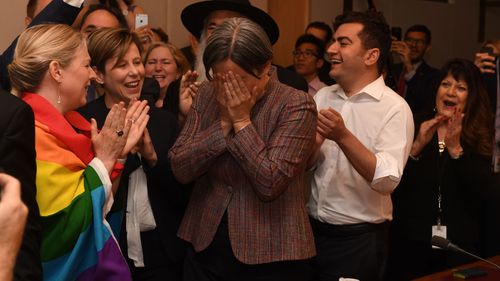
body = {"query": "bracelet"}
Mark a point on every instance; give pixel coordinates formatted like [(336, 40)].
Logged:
[(415, 158), (121, 160)]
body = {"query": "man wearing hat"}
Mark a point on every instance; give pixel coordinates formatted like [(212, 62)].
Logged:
[(201, 18)]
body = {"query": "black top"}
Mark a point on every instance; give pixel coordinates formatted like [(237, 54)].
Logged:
[(168, 199), (17, 158), (470, 201)]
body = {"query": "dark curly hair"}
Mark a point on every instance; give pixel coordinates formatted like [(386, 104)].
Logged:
[(478, 122)]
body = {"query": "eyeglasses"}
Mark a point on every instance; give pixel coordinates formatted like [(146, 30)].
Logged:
[(306, 54), (417, 42)]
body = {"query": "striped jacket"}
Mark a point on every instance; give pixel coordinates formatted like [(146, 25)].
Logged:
[(255, 175)]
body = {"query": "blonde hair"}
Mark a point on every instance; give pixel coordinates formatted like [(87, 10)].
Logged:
[(36, 48), (180, 60)]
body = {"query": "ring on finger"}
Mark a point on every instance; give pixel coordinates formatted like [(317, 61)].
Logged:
[(119, 133)]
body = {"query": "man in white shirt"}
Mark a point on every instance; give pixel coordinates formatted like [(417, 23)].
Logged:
[(365, 132)]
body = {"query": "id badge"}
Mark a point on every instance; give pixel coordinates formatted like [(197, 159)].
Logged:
[(438, 230)]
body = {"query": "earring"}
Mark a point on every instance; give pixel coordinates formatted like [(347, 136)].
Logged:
[(58, 99)]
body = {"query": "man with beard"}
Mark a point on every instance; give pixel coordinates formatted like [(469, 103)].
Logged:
[(201, 18), (414, 78)]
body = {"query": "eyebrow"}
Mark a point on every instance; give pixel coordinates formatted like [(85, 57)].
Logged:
[(344, 38)]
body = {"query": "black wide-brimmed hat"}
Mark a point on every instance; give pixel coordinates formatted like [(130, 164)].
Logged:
[(194, 15)]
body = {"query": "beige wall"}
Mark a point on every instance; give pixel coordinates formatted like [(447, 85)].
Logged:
[(454, 26), (12, 15)]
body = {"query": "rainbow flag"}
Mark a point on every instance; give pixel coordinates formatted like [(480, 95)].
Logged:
[(74, 195)]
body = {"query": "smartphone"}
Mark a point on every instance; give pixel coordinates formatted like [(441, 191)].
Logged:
[(141, 20), (488, 50), (469, 273), (396, 31)]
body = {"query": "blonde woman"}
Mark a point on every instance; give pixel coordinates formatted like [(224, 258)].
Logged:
[(75, 163)]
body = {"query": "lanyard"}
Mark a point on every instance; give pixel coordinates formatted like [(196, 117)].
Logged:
[(441, 164)]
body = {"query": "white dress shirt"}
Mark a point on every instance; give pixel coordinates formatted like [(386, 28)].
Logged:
[(383, 123)]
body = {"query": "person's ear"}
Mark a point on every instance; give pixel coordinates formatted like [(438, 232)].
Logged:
[(55, 71), (27, 21), (428, 49), (372, 56), (99, 75), (319, 63), (267, 68)]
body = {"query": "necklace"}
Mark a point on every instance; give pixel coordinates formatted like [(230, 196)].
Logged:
[(441, 146)]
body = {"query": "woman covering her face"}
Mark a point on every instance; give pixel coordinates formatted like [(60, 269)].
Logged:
[(153, 201), (448, 188), (245, 144), (76, 163)]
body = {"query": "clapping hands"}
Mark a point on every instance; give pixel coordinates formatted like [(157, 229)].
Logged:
[(121, 131), (188, 90)]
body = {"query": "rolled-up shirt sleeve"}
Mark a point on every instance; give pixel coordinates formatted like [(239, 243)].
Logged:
[(392, 149)]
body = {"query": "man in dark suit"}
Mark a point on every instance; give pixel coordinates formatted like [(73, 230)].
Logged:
[(57, 11), (413, 78), (17, 158)]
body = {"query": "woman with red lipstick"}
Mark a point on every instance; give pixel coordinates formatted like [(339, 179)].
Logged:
[(448, 188), (153, 201)]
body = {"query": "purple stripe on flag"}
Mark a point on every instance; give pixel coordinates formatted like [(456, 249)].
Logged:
[(110, 266)]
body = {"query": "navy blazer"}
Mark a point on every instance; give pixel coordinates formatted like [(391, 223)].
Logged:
[(57, 11)]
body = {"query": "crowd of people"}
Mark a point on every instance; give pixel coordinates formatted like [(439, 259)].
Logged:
[(124, 157)]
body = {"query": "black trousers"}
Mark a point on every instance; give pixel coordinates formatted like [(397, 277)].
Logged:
[(351, 251), (218, 262), (158, 265)]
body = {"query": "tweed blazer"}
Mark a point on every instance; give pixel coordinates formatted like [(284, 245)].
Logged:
[(255, 175)]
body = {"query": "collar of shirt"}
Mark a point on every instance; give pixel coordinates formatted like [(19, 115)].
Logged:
[(410, 74), (315, 85), (373, 90)]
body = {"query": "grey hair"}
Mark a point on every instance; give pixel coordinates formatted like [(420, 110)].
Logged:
[(243, 42)]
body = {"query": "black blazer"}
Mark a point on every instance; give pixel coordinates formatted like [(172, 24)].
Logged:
[(17, 158), (168, 199), (420, 90), (470, 207)]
